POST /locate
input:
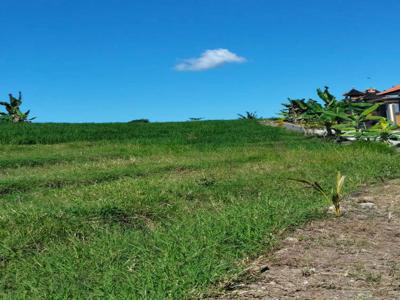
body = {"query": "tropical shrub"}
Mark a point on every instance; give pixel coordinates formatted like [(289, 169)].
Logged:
[(340, 118), (248, 116), (13, 112), (354, 124), (383, 131), (294, 110)]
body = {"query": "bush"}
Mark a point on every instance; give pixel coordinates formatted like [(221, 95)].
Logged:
[(140, 121)]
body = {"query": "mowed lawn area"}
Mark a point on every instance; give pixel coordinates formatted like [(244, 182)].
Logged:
[(159, 210)]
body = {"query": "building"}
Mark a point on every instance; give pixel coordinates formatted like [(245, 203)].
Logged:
[(390, 99), (354, 95)]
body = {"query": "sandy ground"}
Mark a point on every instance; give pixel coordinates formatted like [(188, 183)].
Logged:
[(356, 256)]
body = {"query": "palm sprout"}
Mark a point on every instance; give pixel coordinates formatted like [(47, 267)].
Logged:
[(334, 195)]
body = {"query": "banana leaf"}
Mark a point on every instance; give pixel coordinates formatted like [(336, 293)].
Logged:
[(370, 110)]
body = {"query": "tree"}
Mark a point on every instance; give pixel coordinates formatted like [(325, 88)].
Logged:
[(14, 113), (294, 110)]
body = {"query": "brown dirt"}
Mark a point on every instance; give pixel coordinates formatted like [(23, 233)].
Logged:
[(356, 256)]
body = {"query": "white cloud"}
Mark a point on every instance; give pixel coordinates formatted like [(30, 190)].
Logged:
[(209, 59)]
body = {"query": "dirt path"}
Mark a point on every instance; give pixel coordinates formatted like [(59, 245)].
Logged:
[(354, 257)]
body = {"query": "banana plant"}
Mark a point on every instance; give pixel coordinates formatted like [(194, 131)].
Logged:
[(301, 111), (333, 112), (311, 113), (293, 110), (339, 117), (354, 124), (344, 117), (14, 113), (328, 99), (383, 131)]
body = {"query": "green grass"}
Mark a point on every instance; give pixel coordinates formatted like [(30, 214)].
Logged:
[(156, 211)]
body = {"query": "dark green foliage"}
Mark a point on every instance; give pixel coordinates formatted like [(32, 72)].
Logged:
[(338, 117), (301, 111), (140, 121), (248, 116), (383, 131), (13, 112)]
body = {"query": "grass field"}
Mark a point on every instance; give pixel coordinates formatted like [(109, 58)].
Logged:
[(156, 211)]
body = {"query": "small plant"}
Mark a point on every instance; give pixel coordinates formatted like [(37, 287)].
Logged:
[(248, 116), (14, 113), (334, 195)]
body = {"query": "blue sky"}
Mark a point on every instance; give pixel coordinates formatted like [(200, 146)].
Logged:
[(105, 61)]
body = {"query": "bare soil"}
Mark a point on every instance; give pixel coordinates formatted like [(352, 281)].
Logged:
[(356, 256)]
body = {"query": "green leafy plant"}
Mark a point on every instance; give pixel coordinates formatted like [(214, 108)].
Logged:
[(248, 116), (340, 118), (293, 110), (332, 112), (313, 114), (305, 113), (14, 113), (383, 131), (354, 124), (334, 195)]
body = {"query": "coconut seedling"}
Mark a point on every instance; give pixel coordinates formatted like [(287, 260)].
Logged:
[(334, 195)]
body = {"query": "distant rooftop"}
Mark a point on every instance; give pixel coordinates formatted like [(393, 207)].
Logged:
[(354, 93), (396, 88), (372, 91)]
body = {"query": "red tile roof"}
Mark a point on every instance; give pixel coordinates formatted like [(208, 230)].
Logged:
[(396, 88)]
